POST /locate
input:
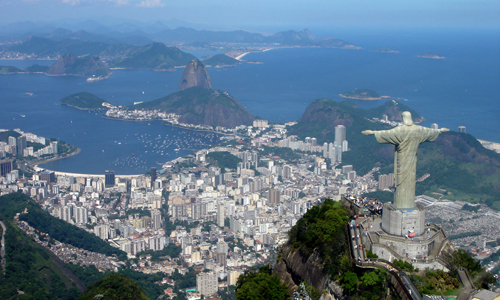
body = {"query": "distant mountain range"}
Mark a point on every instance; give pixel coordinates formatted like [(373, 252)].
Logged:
[(94, 38)]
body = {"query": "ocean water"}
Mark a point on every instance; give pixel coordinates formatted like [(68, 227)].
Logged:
[(461, 90)]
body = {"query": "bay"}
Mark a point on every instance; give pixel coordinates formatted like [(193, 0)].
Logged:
[(460, 90)]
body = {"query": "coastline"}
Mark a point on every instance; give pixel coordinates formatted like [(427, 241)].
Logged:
[(239, 57)]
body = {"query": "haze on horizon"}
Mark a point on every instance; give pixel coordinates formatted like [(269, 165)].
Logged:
[(262, 15)]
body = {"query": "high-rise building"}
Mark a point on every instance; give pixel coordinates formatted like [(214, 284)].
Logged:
[(48, 176), (81, 215), (102, 231), (53, 145), (345, 146), (109, 178), (385, 181), (156, 219), (206, 283), (220, 214), (21, 145), (274, 196), (12, 141), (340, 135), (461, 129), (346, 169), (153, 176), (5, 167), (338, 153)]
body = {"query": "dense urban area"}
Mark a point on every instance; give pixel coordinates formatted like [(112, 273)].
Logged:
[(215, 213)]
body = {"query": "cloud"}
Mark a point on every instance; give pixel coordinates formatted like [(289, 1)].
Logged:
[(72, 2), (151, 3), (89, 2)]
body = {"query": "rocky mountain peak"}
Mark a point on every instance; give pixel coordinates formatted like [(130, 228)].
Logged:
[(195, 74)]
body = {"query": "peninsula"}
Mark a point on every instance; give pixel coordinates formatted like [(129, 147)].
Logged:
[(363, 94), (85, 101)]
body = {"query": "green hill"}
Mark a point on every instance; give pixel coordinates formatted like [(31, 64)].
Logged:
[(34, 271), (36, 69), (69, 64), (114, 287), (156, 56), (221, 60), (9, 70), (202, 106), (456, 162), (83, 101), (14, 203)]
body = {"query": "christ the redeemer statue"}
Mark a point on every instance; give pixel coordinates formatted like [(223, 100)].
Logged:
[(406, 139)]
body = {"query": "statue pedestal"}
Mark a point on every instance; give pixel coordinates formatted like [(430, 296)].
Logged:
[(402, 222)]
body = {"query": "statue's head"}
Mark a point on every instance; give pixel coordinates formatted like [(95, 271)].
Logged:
[(406, 115)]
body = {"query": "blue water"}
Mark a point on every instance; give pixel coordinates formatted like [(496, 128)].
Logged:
[(462, 89)]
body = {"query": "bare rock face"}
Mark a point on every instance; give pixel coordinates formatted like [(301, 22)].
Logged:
[(195, 74), (293, 268)]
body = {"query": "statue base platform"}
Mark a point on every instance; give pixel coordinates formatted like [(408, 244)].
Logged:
[(427, 250), (403, 222)]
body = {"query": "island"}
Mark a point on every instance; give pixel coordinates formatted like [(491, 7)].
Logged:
[(387, 50), (220, 61), (431, 55), (85, 101), (363, 94)]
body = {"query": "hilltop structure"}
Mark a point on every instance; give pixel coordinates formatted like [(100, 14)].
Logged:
[(402, 232)]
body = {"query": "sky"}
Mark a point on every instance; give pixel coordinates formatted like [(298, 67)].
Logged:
[(267, 14)]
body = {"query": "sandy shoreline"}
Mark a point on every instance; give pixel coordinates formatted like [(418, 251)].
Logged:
[(239, 57)]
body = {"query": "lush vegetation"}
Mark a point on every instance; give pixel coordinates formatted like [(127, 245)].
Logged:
[(32, 269), (481, 278), (365, 284), (58, 229), (221, 60), (154, 56), (261, 284), (283, 153), (83, 100), (473, 208), (114, 286), (223, 159), (70, 64), (170, 250), (361, 94), (322, 229), (36, 69), (4, 135), (404, 265), (9, 69), (147, 282), (435, 282)]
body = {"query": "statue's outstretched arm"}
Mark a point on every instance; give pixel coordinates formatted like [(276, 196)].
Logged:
[(368, 132), (444, 129)]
